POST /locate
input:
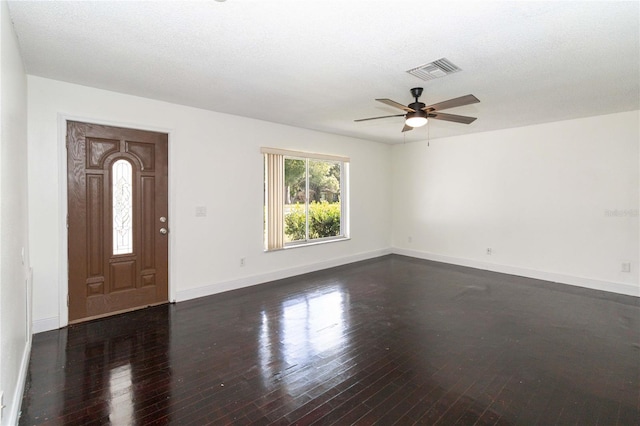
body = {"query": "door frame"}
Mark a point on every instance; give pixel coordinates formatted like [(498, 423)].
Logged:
[(63, 234)]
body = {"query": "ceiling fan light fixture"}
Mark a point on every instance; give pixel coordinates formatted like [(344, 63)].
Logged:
[(416, 119)]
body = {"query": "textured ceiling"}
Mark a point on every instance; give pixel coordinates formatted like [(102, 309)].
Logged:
[(320, 64)]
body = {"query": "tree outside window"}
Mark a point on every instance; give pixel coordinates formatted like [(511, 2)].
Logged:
[(312, 205)]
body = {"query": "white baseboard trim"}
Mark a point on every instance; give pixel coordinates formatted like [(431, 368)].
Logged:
[(14, 409), (52, 323), (207, 290), (612, 287), (45, 324)]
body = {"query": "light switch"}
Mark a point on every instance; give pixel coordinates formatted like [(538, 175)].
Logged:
[(201, 211)]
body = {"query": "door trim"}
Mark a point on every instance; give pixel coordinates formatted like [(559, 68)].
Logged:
[(63, 259)]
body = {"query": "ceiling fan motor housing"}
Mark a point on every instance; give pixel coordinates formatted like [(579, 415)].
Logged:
[(416, 106)]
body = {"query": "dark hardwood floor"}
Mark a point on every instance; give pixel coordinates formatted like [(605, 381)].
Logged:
[(388, 341)]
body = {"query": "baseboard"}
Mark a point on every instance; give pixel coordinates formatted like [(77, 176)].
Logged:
[(53, 323), (14, 409), (221, 287), (612, 287), (45, 324)]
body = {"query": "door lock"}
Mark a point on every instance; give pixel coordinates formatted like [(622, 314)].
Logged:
[(164, 231)]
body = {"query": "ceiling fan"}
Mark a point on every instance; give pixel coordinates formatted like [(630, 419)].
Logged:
[(417, 112)]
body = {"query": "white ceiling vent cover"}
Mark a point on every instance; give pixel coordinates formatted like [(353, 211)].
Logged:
[(435, 69)]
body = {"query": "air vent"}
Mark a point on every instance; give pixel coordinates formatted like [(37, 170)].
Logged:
[(435, 69)]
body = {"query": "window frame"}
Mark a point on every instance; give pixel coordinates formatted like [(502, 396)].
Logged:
[(344, 197)]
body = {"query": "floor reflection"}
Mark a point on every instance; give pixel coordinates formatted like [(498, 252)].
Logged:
[(121, 393), (108, 363), (310, 326), (265, 350)]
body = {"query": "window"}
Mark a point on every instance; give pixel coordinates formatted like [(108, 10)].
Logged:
[(122, 228), (305, 198)]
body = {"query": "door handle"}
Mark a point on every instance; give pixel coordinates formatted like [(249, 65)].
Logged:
[(164, 231)]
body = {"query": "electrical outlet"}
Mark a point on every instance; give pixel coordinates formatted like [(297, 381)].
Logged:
[(626, 267), (489, 251), (242, 261)]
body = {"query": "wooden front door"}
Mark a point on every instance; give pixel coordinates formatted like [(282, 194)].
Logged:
[(118, 219)]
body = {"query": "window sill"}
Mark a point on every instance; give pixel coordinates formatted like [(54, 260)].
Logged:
[(312, 243)]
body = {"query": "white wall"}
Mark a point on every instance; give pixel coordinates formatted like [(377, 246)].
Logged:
[(215, 161), (15, 332), (556, 201), (536, 195)]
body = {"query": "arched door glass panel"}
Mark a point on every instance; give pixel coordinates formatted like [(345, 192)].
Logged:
[(122, 207)]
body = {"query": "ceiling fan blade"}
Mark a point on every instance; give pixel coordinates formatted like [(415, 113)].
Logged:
[(406, 128), (452, 103), (396, 104), (376, 118), (452, 117)]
